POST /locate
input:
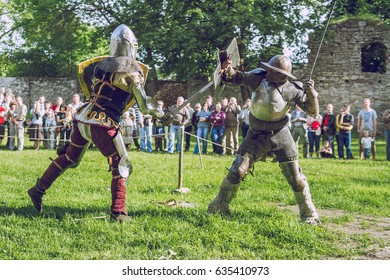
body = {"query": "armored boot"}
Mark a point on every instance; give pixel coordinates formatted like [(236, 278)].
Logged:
[(307, 210), (220, 204), (120, 217), (36, 194)]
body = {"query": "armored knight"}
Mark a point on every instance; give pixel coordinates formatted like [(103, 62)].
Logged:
[(273, 94), (113, 84)]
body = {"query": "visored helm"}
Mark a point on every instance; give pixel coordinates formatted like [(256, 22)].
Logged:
[(123, 42), (281, 64)]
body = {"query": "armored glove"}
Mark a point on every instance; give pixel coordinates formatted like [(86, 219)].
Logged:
[(225, 61), (309, 88)]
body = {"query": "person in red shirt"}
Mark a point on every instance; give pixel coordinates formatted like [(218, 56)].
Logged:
[(328, 127)]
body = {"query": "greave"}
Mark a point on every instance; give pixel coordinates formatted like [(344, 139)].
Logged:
[(220, 204), (118, 195), (307, 210)]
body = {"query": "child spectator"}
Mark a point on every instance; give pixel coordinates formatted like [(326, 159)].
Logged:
[(326, 150), (366, 142)]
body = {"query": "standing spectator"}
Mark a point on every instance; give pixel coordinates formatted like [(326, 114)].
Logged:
[(135, 128), (11, 118), (203, 128), (48, 107), (36, 127), (49, 126), (344, 123), (41, 104), (60, 119), (158, 128), (8, 98), (195, 117), (299, 128), (217, 120), (188, 128), (367, 120), (244, 118), (2, 117), (366, 142), (231, 126), (314, 134), (2, 92), (148, 132), (224, 104), (56, 106), (209, 101), (21, 113), (127, 129), (76, 102), (386, 125), (328, 126), (141, 130), (179, 120), (67, 124)]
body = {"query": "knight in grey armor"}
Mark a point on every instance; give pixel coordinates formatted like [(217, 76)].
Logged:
[(113, 84), (274, 90)]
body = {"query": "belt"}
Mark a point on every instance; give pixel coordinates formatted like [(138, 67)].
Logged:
[(265, 132)]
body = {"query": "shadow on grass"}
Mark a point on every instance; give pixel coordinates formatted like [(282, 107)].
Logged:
[(54, 212)]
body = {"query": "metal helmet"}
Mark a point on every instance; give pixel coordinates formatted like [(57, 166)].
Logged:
[(123, 42), (281, 64)]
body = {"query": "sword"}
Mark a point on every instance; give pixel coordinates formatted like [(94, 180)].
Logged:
[(167, 118), (231, 54), (323, 36)]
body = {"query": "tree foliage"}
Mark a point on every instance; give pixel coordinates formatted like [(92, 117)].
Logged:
[(48, 39), (177, 38)]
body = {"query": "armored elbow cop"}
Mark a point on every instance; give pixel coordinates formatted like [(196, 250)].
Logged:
[(239, 169)]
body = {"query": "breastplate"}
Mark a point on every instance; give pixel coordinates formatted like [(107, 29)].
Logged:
[(268, 103)]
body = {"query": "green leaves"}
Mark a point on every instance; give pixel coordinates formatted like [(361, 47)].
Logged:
[(177, 38)]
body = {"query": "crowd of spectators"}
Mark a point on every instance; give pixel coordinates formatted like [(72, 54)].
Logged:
[(47, 124), (207, 124)]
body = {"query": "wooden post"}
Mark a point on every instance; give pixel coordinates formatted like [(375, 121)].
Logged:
[(200, 153), (181, 157)]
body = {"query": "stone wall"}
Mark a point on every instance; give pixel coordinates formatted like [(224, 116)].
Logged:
[(338, 73), (31, 88)]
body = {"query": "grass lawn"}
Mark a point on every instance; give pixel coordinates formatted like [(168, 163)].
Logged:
[(352, 197)]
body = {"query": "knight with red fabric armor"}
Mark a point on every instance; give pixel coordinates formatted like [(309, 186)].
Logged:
[(113, 84)]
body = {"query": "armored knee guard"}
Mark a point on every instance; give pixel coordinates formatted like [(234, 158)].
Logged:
[(239, 169)]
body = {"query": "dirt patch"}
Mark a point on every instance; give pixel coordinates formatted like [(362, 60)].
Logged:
[(377, 228)]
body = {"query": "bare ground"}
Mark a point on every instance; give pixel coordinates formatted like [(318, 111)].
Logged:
[(376, 228)]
